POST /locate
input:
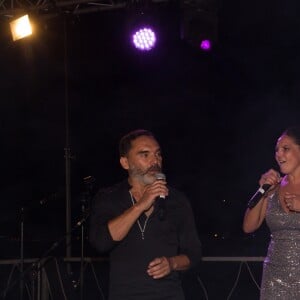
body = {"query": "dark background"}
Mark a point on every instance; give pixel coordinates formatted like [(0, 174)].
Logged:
[(216, 114)]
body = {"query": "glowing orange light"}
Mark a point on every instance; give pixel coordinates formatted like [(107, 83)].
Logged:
[(20, 28)]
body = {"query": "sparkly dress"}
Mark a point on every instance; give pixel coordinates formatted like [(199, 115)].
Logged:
[(281, 271)]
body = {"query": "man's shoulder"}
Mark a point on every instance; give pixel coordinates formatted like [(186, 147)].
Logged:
[(178, 195), (115, 188), (176, 192)]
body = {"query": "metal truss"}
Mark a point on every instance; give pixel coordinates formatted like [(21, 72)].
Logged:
[(12, 8)]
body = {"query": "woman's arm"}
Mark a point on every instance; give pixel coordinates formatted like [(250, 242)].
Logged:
[(254, 216)]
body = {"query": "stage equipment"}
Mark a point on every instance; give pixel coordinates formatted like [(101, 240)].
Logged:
[(22, 252), (144, 39), (142, 26), (205, 45), (68, 153), (87, 195), (34, 269), (199, 23), (20, 28)]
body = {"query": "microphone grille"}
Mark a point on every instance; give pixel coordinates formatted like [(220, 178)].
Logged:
[(160, 176)]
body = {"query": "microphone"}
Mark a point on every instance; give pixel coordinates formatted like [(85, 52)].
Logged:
[(258, 195), (161, 199)]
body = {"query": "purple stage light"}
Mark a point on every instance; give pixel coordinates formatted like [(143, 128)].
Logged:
[(205, 45), (144, 39)]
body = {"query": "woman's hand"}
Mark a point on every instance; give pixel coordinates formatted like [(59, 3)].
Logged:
[(292, 201), (271, 177)]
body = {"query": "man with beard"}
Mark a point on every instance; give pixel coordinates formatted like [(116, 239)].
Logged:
[(148, 243)]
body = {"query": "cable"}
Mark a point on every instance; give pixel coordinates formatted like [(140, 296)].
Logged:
[(236, 281), (60, 279), (9, 280), (98, 284), (252, 276), (203, 287)]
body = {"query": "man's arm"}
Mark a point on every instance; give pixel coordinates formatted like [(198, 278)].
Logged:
[(162, 266), (179, 262), (120, 226)]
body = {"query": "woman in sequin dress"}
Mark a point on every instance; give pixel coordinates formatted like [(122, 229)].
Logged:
[(280, 206)]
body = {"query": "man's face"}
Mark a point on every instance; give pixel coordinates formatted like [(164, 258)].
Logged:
[(143, 160)]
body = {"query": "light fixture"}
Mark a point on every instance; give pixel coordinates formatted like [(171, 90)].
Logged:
[(144, 39), (142, 28), (199, 23), (20, 28), (205, 45)]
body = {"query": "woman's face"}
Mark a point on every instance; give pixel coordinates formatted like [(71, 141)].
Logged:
[(287, 155)]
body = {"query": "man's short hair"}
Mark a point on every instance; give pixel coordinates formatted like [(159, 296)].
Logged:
[(125, 142)]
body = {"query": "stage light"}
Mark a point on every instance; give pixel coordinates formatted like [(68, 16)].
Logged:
[(206, 45), (144, 39), (20, 28), (199, 24)]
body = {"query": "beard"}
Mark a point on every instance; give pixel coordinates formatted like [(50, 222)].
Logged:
[(145, 176)]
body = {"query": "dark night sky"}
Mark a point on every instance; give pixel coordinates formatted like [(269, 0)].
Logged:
[(217, 115)]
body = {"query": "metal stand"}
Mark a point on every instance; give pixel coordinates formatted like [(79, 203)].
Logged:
[(82, 256), (22, 252), (36, 267), (68, 155), (85, 206), (21, 262)]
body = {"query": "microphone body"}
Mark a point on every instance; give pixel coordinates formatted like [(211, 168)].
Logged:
[(258, 195), (161, 199)]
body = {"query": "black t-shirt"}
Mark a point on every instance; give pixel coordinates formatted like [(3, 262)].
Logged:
[(129, 258)]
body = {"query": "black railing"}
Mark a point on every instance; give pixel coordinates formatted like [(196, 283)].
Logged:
[(218, 278)]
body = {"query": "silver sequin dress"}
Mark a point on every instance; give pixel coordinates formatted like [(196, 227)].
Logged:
[(281, 271)]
